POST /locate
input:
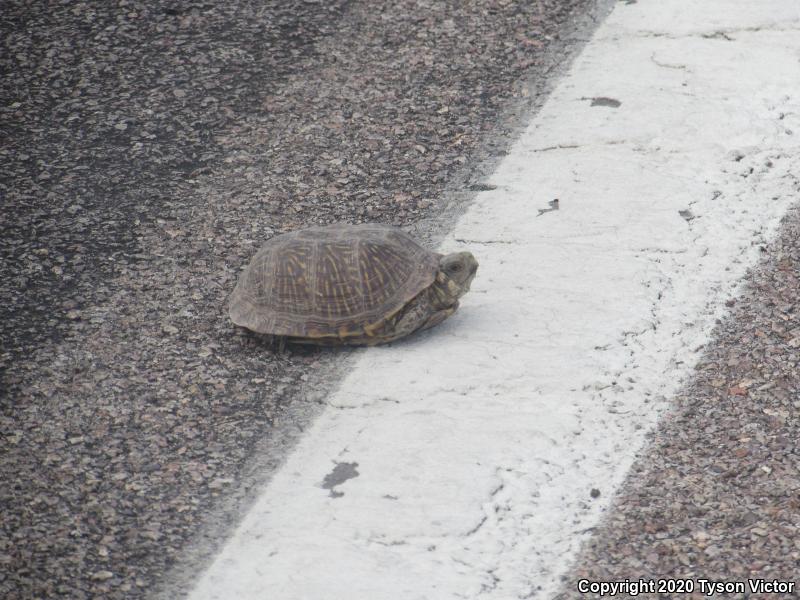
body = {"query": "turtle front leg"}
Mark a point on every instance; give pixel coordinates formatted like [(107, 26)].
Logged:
[(438, 317), (420, 315)]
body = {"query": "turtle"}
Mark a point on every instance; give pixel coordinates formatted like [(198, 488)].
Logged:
[(348, 284)]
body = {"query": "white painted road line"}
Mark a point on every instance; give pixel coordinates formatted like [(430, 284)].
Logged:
[(461, 464)]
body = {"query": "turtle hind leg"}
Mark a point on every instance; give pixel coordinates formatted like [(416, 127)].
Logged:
[(277, 343)]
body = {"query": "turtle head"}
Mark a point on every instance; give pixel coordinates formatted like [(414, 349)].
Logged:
[(456, 272)]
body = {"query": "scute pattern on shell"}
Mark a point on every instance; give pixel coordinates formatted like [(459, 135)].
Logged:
[(331, 281)]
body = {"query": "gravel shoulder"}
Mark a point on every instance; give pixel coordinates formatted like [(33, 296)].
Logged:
[(715, 496), (148, 150)]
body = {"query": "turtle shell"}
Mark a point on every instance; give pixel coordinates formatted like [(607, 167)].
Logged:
[(339, 281)]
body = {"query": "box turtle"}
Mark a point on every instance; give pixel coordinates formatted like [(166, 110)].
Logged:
[(348, 284)]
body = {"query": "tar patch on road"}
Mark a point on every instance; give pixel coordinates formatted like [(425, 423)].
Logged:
[(341, 473), (603, 101)]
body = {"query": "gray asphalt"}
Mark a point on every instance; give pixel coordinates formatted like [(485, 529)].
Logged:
[(146, 150)]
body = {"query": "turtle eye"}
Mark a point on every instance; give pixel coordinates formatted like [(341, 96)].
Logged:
[(455, 268)]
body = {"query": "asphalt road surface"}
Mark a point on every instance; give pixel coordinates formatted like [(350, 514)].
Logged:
[(147, 149), (482, 459)]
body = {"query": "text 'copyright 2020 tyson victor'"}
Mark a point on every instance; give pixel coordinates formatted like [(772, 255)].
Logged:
[(709, 587)]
